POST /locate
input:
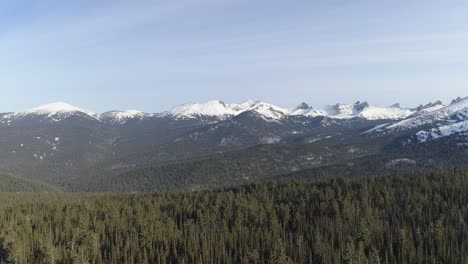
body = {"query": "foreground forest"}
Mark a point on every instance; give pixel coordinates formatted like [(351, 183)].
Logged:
[(407, 218)]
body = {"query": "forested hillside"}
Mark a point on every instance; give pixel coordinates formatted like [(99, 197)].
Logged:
[(408, 218), (228, 169), (321, 160), (9, 183)]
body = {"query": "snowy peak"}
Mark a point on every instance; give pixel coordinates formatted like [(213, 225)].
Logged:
[(395, 105), (238, 108), (361, 110), (303, 109), (213, 108), (221, 110), (340, 110), (55, 108), (56, 111), (361, 106), (302, 106), (59, 111), (121, 117), (357, 110), (457, 100), (430, 107), (269, 111)]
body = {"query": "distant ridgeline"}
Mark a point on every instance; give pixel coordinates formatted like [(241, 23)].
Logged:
[(215, 144), (408, 218)]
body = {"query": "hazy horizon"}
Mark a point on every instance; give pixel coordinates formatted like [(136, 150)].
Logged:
[(153, 55)]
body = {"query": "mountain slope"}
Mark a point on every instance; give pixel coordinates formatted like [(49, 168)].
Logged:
[(9, 183), (323, 159), (432, 122), (456, 111), (259, 162)]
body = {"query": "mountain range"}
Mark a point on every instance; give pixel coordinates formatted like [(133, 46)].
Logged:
[(200, 145), (220, 110)]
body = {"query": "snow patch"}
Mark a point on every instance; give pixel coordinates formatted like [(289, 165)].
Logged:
[(121, 117), (376, 128), (443, 131)]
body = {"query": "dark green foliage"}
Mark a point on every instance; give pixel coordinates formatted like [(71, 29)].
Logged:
[(418, 218), (9, 183), (234, 168), (273, 162)]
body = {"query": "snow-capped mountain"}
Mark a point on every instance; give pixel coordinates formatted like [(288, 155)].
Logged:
[(436, 120), (221, 110), (423, 109), (358, 110), (212, 108), (55, 108), (456, 111), (218, 110), (269, 111), (58, 110)]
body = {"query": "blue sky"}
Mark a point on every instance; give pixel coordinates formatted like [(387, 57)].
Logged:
[(152, 55)]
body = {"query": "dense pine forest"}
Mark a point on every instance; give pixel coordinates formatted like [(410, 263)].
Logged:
[(406, 218)]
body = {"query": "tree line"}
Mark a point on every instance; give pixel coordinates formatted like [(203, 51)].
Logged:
[(404, 218)]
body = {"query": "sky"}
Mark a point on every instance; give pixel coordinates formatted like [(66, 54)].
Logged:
[(153, 55)]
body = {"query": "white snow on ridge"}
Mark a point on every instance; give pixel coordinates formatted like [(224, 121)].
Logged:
[(459, 108), (269, 111), (211, 108), (243, 106), (121, 117), (308, 112), (376, 128), (377, 113), (361, 110), (443, 131), (221, 110), (444, 120), (55, 108), (60, 110), (128, 114), (430, 109)]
